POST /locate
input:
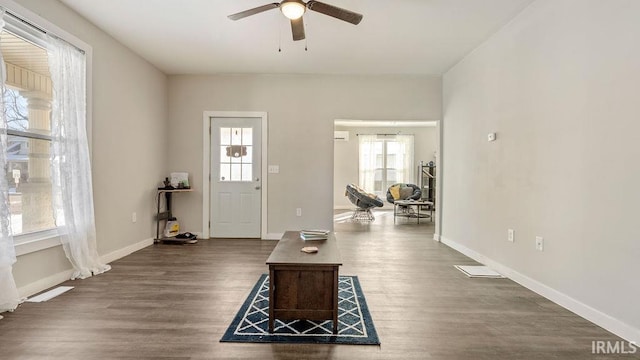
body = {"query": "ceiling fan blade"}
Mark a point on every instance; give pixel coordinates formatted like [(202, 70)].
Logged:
[(336, 12), (297, 28), (259, 9)]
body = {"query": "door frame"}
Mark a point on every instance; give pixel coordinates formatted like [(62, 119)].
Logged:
[(439, 159), (207, 118)]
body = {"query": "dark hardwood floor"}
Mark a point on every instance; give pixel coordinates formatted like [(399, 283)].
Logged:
[(175, 302)]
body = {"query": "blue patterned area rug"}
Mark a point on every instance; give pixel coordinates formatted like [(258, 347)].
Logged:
[(354, 321)]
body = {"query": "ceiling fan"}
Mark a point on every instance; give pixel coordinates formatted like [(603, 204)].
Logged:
[(294, 9)]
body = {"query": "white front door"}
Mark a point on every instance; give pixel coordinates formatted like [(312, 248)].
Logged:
[(236, 191)]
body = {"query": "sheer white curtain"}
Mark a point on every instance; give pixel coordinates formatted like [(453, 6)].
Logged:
[(385, 161), (405, 166), (368, 162), (9, 298), (71, 168)]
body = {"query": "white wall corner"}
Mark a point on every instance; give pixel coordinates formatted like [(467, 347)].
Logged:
[(609, 323)]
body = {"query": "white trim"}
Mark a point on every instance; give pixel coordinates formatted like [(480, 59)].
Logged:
[(43, 23), (56, 279), (609, 323), (273, 236), (436, 237), (128, 250), (36, 243), (206, 172), (439, 183), (206, 164), (44, 283), (384, 123), (343, 207), (398, 123)]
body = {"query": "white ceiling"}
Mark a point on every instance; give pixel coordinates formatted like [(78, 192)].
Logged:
[(395, 36)]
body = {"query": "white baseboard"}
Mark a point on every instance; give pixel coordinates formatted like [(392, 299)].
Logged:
[(343, 207), (120, 253), (616, 326), (45, 283), (436, 237), (55, 279), (273, 236)]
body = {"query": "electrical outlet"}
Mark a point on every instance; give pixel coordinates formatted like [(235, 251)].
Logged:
[(298, 211), (510, 235), (134, 217), (539, 243)]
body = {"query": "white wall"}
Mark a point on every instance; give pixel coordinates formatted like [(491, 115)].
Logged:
[(301, 110), (560, 86), (129, 145), (346, 156)]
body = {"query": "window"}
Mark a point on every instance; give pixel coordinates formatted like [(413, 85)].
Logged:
[(236, 154), (385, 161), (52, 132), (27, 99)]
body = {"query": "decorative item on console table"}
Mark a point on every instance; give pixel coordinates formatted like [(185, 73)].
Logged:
[(180, 180)]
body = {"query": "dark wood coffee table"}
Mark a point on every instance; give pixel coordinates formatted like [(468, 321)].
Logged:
[(301, 285)]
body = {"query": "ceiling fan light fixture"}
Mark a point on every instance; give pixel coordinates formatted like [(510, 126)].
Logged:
[(293, 9)]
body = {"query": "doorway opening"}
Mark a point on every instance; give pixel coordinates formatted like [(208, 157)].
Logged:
[(375, 154)]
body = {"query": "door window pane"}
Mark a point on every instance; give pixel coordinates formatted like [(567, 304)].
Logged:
[(248, 159), (225, 172), (236, 172), (224, 159), (246, 172), (247, 136), (225, 136), (236, 136), (236, 154)]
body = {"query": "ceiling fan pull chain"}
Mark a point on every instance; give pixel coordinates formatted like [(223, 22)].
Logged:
[(306, 41), (280, 40)]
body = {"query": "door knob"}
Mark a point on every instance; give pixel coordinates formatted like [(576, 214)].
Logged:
[(257, 187)]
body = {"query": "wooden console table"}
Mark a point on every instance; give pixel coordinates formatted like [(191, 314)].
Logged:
[(301, 285)]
